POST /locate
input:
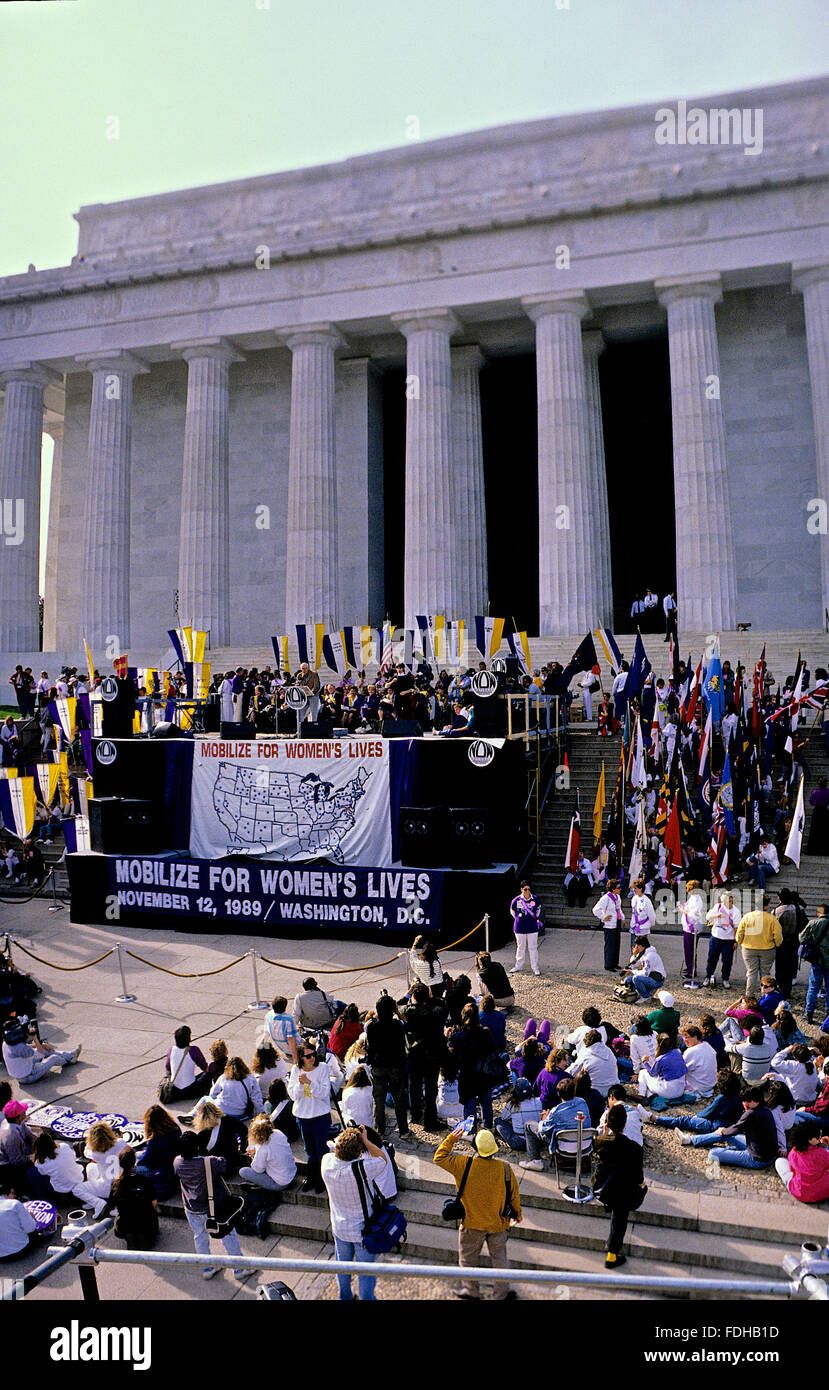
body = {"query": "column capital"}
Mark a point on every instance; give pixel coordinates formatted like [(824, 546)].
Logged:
[(707, 285), (32, 373), (124, 363), (539, 306), (418, 320), (313, 335), (468, 355), (593, 342), (806, 273), (213, 349)]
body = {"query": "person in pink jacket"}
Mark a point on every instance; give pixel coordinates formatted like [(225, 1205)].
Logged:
[(806, 1170)]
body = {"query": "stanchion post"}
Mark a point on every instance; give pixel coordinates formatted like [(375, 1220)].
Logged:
[(124, 997), (577, 1193), (486, 931), (55, 906), (89, 1282), (256, 1003)]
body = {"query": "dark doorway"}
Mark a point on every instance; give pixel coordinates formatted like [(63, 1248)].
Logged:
[(510, 440), (394, 488), (636, 411)]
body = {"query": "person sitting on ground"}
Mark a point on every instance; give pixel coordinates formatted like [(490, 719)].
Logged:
[(281, 1029), (617, 1095), (134, 1201), (785, 1027), (646, 970), (755, 1056), (346, 1030), (493, 1020), (279, 1112), (665, 1019), (58, 1165), (17, 1229), (593, 1099), (530, 1059), (752, 1142), (218, 1061), (590, 1019), (357, 1053), (237, 1091), (521, 1106), (26, 1059), (163, 1142), (724, 1109), (458, 995), (357, 1103), (664, 1075), (186, 1066), (220, 1135), (795, 1066), (273, 1165), (554, 1070), (805, 1171), (713, 1036), (642, 1043), (103, 1147), (540, 1135), (492, 978), (312, 1007), (17, 1172), (449, 1107), (595, 1059), (769, 999), (780, 1102), (268, 1066), (700, 1062)]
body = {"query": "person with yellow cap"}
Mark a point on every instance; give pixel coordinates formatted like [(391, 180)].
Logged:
[(488, 1191)]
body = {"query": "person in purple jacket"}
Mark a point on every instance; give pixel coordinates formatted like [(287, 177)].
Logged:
[(526, 917)]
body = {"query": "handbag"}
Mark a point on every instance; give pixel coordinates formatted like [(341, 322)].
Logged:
[(453, 1208), (385, 1228), (508, 1212), (215, 1225), (167, 1086), (247, 1113)]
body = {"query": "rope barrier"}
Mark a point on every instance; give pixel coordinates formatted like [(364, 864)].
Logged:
[(52, 965), (453, 944), (21, 902), (179, 974), (342, 970)]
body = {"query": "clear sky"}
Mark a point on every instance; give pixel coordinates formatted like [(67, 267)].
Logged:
[(207, 90)]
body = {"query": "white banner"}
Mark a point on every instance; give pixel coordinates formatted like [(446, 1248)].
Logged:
[(292, 799)]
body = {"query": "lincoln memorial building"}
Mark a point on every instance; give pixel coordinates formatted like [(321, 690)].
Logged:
[(540, 367)]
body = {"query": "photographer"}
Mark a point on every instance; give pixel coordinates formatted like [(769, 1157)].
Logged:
[(347, 1215), (22, 1048)]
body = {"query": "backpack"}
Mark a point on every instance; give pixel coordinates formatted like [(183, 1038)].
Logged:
[(253, 1220), (384, 1229)]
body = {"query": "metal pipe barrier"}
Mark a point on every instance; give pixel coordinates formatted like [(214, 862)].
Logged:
[(83, 1240)]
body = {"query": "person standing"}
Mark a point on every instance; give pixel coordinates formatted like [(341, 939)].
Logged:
[(609, 912), (759, 934), (618, 1180), (191, 1170), (723, 920), (816, 933), (348, 1216), (670, 610), (309, 1087), (692, 917), (642, 914), (786, 961), (491, 1203), (386, 1059), (425, 1019), (526, 917)]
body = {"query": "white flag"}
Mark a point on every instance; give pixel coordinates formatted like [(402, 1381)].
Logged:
[(795, 840)]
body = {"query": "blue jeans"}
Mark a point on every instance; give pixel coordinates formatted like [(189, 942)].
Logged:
[(315, 1138), (470, 1108), (735, 1154), (719, 950), (45, 1065), (758, 873), (504, 1128), (201, 1240), (348, 1250), (693, 1123), (818, 980), (645, 985)]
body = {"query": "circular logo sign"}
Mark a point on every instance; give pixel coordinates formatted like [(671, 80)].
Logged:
[(484, 684), (499, 666), (295, 697), (76, 1123), (480, 753), (109, 688), (106, 752)]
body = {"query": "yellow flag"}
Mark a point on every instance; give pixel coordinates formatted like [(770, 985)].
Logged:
[(598, 809)]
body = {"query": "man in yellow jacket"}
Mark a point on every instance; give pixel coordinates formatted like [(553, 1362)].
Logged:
[(759, 934), (489, 1192)]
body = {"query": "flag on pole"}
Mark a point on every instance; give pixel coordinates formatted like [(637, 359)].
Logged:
[(176, 644), (610, 647), (47, 776), (62, 711), (520, 648), (640, 669), (795, 840), (571, 858), (280, 652), (333, 652), (690, 709), (638, 768), (386, 653), (673, 844), (598, 809), (17, 805), (489, 633), (726, 796), (718, 848), (583, 659), (640, 839), (712, 686), (89, 661), (705, 746), (351, 644)]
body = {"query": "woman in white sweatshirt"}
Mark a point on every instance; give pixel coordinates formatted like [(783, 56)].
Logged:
[(309, 1087), (57, 1162), (796, 1067)]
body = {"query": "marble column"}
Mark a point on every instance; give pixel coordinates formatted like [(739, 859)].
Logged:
[(204, 544), (569, 588), (813, 283), (705, 567), (430, 539), (468, 500), (312, 578), (105, 560), (593, 346), (20, 448), (50, 597)]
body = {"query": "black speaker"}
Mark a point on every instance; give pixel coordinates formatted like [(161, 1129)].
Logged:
[(243, 730), (469, 837), (31, 743), (212, 715), (490, 715), (121, 826), (118, 705), (422, 835), (165, 729), (401, 728)]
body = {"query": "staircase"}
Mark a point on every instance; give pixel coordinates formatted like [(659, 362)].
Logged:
[(676, 1233), (586, 751)]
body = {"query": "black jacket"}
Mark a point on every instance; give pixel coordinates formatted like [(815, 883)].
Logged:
[(617, 1172)]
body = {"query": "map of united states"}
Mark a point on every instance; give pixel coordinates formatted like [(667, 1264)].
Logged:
[(299, 814)]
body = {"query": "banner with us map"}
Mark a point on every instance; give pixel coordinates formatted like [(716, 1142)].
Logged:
[(292, 800)]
